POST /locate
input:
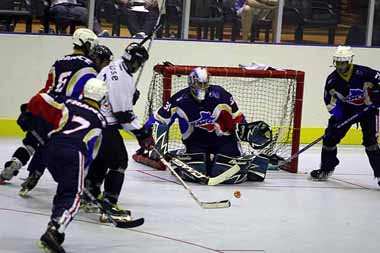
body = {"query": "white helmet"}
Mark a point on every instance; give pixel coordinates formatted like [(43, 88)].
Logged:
[(198, 81), (84, 37), (95, 89), (342, 54)]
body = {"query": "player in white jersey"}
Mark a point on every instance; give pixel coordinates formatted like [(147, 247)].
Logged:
[(112, 161)]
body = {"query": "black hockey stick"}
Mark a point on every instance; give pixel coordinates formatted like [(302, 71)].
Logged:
[(116, 223), (350, 120), (205, 205)]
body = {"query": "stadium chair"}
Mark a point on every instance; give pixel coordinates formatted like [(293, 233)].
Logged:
[(205, 14), (110, 11), (11, 11), (310, 14)]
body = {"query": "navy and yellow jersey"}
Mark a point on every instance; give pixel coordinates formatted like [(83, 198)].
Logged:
[(348, 94), (81, 128), (203, 121), (68, 76)]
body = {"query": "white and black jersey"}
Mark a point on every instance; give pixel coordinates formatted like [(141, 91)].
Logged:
[(119, 107)]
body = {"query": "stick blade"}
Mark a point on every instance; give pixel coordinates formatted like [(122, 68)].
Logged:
[(224, 176), (130, 224), (216, 205)]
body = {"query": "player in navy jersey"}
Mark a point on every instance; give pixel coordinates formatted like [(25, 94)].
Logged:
[(207, 115), (349, 89), (66, 78), (70, 132)]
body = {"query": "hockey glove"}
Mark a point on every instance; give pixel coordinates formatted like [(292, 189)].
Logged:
[(374, 95), (144, 137), (258, 134), (136, 97)]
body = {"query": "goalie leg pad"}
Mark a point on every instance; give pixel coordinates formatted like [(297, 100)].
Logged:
[(257, 169), (197, 161), (223, 163)]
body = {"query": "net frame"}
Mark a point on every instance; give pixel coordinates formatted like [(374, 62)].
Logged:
[(168, 72)]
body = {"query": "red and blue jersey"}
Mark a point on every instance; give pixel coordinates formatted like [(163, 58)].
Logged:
[(202, 121)]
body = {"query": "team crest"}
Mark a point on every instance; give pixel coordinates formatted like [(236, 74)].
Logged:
[(355, 97)]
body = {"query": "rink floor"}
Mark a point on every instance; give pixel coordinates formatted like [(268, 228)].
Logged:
[(286, 213)]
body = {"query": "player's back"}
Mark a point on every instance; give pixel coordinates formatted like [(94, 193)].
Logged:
[(81, 128), (69, 75)]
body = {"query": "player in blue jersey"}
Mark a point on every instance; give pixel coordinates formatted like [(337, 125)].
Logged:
[(349, 89), (66, 78), (207, 116), (70, 132)]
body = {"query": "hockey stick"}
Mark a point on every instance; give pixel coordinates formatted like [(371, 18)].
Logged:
[(116, 223), (150, 37), (350, 120), (205, 205), (202, 177)]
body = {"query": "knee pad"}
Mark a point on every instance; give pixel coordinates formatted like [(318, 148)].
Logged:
[(257, 168), (197, 161), (223, 163)]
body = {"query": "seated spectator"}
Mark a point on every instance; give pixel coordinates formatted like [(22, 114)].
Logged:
[(141, 15), (250, 9), (65, 12)]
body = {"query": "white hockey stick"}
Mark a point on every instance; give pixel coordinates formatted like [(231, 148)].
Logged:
[(206, 179), (205, 205)]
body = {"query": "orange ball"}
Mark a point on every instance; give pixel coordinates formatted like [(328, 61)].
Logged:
[(237, 194)]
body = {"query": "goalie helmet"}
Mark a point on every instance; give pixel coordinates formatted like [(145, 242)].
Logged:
[(85, 39), (134, 57), (342, 58), (95, 89), (198, 81)]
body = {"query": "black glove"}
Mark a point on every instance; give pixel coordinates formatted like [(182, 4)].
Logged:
[(144, 137), (25, 121), (374, 95), (136, 97)]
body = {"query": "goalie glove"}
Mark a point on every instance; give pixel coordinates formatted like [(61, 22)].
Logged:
[(258, 134)]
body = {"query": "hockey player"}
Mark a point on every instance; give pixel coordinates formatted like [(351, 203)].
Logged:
[(348, 90), (207, 116), (112, 161), (66, 78), (70, 133)]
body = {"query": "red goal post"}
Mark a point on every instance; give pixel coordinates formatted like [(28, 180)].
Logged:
[(274, 96)]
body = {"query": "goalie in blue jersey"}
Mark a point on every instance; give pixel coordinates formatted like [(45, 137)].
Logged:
[(211, 126), (349, 89)]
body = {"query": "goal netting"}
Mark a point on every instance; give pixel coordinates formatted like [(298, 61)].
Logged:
[(273, 96)]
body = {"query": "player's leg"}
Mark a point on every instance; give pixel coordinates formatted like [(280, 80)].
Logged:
[(66, 166), (257, 168), (117, 162), (228, 153), (36, 169), (196, 161), (20, 157), (329, 152), (369, 128)]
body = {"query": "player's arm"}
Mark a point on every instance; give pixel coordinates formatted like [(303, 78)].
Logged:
[(334, 101), (50, 80), (372, 87)]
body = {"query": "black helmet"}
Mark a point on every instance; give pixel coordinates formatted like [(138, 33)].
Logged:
[(135, 55), (102, 53)]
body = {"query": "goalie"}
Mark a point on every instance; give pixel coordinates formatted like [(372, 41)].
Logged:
[(211, 126)]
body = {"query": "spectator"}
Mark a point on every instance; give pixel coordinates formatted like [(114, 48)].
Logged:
[(65, 12), (250, 9), (141, 15)]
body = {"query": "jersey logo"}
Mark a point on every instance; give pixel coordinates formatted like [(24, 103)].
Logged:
[(206, 121), (355, 97)]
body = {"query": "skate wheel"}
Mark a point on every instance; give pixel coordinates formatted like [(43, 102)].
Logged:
[(103, 218)]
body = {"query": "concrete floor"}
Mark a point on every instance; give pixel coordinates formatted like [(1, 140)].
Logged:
[(286, 213)]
